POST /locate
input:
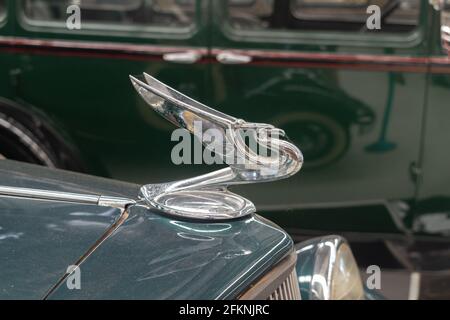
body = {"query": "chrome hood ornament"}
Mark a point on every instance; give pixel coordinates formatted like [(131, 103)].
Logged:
[(207, 196)]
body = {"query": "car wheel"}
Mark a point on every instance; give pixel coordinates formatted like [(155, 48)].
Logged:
[(321, 138), (19, 143)]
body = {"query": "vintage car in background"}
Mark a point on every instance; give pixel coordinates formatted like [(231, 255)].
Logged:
[(368, 107), (188, 239)]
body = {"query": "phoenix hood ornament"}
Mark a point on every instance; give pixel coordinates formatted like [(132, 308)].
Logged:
[(207, 196)]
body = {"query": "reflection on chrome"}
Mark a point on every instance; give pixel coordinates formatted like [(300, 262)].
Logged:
[(207, 196), (304, 249), (194, 237), (320, 287), (332, 274), (69, 197)]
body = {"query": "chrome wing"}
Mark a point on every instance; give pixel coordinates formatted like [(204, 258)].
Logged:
[(254, 152)]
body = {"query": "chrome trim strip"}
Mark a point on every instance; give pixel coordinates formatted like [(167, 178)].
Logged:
[(48, 195), (323, 56), (438, 64), (100, 46), (253, 53), (39, 194), (115, 202)]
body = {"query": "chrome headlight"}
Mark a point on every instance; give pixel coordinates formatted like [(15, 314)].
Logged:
[(327, 270)]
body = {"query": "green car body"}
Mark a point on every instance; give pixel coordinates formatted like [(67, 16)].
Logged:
[(150, 256), (369, 109)]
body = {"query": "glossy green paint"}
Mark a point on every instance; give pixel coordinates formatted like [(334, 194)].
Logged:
[(39, 241), (154, 257), (362, 182), (150, 256), (306, 260)]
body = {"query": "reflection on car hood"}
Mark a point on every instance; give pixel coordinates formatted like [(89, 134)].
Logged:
[(18, 174), (40, 239), (150, 256), (154, 257)]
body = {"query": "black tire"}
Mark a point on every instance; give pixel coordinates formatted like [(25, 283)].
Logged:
[(18, 143), (25, 137), (321, 138)]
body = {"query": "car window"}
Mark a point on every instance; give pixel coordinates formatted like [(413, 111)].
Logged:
[(115, 13), (2, 10), (397, 16)]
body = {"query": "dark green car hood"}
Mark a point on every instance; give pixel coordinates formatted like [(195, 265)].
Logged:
[(150, 256)]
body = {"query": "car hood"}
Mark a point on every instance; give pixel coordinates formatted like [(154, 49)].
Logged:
[(150, 256)]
